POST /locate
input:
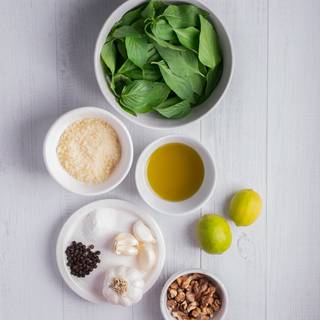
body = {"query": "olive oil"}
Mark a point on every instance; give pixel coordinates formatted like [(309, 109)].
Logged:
[(175, 171)]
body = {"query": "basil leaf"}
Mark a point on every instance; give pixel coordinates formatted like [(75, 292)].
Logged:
[(162, 30), (161, 42), (142, 96), (109, 56), (198, 83), (180, 86), (130, 70), (209, 50), (213, 78), (183, 16), (139, 25), (121, 48), (151, 72), (127, 110), (169, 102), (180, 62), (139, 50), (155, 57), (129, 17), (175, 111), (125, 31), (149, 11), (118, 82), (188, 37)]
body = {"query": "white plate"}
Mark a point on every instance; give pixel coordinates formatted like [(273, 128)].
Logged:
[(89, 288)]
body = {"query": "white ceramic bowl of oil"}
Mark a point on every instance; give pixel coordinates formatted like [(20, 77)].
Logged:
[(176, 208)]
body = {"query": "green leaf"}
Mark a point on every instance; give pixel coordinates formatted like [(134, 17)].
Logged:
[(125, 31), (198, 83), (180, 86), (121, 48), (169, 102), (209, 49), (176, 110), (188, 37), (142, 96), (130, 70), (183, 16), (139, 25), (129, 17), (128, 110), (155, 57), (162, 30), (118, 82), (182, 63), (149, 11), (109, 56), (213, 78), (161, 42), (139, 50), (151, 72)]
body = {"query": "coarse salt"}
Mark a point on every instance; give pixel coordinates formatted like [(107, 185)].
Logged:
[(89, 150)]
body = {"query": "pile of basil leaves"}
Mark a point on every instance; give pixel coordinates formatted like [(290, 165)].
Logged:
[(162, 57)]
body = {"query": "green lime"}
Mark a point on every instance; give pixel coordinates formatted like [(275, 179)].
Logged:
[(214, 234), (245, 207)]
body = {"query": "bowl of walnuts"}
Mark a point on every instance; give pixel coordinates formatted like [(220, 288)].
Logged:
[(194, 295)]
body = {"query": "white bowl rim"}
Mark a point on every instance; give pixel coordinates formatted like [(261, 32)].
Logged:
[(82, 211), (161, 141), (134, 119), (107, 114), (207, 273)]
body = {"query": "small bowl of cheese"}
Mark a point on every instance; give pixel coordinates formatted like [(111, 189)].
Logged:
[(88, 151)]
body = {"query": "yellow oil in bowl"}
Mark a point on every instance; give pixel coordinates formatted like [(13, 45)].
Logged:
[(175, 171)]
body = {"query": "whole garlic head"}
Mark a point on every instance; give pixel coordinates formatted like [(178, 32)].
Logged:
[(142, 232), (125, 244), (123, 285)]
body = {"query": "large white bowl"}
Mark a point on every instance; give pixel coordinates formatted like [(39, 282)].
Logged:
[(220, 289), (152, 120), (177, 208), (59, 174)]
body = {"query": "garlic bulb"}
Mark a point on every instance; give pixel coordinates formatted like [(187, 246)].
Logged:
[(142, 232), (125, 244), (123, 285), (146, 257)]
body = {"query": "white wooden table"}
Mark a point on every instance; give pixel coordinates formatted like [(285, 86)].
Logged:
[(264, 135)]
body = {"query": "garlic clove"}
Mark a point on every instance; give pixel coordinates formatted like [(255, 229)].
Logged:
[(147, 257), (125, 244), (142, 232), (127, 238), (126, 250)]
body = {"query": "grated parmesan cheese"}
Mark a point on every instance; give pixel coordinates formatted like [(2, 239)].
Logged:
[(89, 150)]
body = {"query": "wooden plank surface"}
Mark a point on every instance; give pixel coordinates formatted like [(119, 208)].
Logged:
[(264, 135)]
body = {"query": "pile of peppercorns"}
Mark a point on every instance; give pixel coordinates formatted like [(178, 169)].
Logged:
[(81, 259)]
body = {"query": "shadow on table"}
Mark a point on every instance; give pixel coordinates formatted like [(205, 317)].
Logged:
[(78, 26)]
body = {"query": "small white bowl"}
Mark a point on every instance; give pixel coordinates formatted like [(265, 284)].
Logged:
[(59, 174), (152, 120), (189, 205), (220, 289)]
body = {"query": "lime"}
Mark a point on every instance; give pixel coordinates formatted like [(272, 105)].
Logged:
[(214, 234), (245, 207)]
